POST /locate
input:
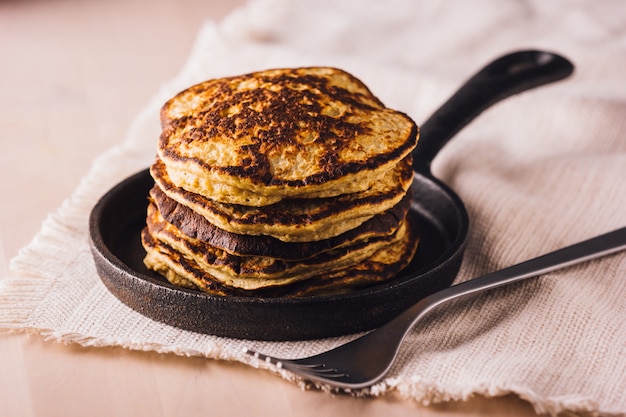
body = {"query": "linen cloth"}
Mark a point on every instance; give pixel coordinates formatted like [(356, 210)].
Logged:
[(539, 171)]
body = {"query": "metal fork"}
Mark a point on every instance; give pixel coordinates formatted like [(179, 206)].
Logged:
[(365, 360)]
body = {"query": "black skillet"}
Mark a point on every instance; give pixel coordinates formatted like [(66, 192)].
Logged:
[(441, 218)]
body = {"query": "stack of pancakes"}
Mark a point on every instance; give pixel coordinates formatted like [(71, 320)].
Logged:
[(287, 182)]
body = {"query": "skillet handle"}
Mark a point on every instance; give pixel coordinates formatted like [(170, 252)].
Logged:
[(507, 75)]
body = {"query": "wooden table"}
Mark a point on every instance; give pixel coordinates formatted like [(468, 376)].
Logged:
[(73, 76)]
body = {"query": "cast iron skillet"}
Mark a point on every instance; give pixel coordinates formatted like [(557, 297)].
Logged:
[(441, 218)]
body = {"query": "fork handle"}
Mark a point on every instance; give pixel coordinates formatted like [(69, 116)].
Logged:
[(596, 247)]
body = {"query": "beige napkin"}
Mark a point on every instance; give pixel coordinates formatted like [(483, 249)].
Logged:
[(539, 171)]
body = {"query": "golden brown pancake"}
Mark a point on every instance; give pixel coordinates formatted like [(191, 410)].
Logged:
[(197, 227), (254, 272), (258, 138), (184, 271), (296, 220), (286, 182)]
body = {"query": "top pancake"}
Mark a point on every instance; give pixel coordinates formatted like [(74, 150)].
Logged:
[(258, 138)]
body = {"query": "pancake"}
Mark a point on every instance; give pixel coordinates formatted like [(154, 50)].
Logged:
[(254, 272), (281, 183), (197, 227), (296, 220), (381, 266), (258, 138)]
